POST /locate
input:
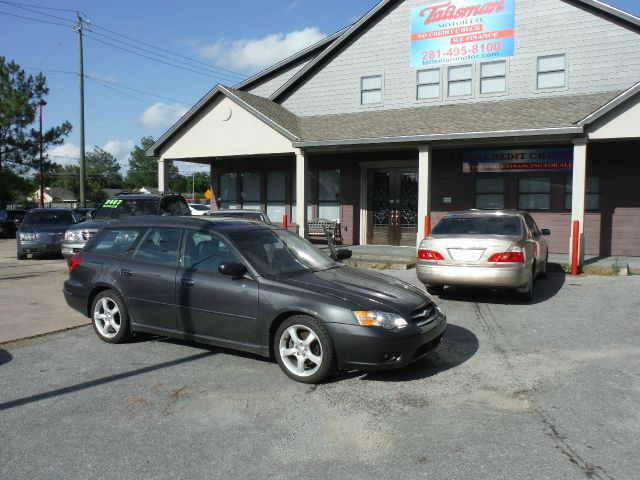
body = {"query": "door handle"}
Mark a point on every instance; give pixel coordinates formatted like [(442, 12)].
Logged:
[(188, 283), (125, 273)]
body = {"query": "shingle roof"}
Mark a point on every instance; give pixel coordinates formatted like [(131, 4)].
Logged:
[(58, 192), (522, 114), (272, 110)]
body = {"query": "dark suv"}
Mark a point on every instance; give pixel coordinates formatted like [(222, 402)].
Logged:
[(253, 287), (123, 206)]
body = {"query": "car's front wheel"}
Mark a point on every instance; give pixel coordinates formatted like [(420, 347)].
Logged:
[(20, 255), (304, 350), (109, 315)]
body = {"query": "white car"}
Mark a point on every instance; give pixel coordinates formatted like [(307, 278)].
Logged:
[(199, 209)]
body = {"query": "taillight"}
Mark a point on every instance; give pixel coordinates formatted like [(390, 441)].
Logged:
[(429, 255), (73, 263), (507, 257)]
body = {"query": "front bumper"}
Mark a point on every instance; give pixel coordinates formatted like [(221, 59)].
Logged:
[(68, 248), (507, 276), (39, 247), (372, 348)]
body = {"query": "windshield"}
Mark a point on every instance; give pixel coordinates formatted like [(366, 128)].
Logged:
[(496, 225), (277, 252), (127, 208), (49, 218)]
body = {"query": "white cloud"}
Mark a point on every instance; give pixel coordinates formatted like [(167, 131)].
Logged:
[(65, 154), (106, 77), (119, 149), (162, 115), (252, 54)]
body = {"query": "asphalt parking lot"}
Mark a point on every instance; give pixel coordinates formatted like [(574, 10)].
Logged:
[(545, 390)]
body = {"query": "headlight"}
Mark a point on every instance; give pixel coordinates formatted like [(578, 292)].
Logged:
[(72, 236), (28, 237), (380, 319)]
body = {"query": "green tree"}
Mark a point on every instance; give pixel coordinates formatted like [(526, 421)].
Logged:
[(103, 171), (20, 95), (143, 170), (65, 176)]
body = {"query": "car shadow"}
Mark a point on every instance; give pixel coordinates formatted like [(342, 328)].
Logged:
[(458, 346), (545, 288), (5, 357)]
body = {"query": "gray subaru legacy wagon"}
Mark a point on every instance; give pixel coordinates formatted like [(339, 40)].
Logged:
[(249, 286)]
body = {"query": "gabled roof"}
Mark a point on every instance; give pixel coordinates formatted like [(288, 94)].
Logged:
[(271, 113), (606, 108), (288, 62), (58, 192), (385, 5)]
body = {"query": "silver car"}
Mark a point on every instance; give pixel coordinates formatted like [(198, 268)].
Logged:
[(496, 249)]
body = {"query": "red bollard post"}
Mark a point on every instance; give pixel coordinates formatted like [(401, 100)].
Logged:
[(575, 245), (284, 222), (427, 226)]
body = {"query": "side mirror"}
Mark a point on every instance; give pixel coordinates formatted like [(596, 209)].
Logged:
[(232, 269), (343, 254), (88, 216), (545, 232)]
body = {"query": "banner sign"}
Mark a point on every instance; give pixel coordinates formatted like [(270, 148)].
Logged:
[(518, 160), (461, 31)]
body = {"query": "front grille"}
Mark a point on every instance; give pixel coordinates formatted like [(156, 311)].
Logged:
[(427, 313), (86, 235)]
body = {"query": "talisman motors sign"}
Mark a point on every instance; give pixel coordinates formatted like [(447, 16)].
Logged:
[(461, 31), (518, 160)]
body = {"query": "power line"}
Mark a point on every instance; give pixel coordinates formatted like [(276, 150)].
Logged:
[(17, 5), (233, 77), (35, 19), (39, 6), (99, 82), (170, 52)]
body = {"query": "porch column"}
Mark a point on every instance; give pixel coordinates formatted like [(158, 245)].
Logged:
[(578, 189), (424, 188), (163, 175), (302, 165), (213, 200)]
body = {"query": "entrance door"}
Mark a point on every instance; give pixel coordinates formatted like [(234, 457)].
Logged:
[(393, 201)]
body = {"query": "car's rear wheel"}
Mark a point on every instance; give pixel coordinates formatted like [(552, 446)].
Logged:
[(110, 319), (304, 350), (435, 289), (526, 293)]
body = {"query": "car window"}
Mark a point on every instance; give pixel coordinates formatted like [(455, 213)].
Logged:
[(118, 208), (531, 225), (114, 242), (495, 225), (174, 206), (159, 246), (49, 218), (205, 252)]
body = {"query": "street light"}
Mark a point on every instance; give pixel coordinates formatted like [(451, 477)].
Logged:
[(42, 103)]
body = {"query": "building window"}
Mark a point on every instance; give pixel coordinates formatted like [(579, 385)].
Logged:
[(460, 81), (428, 82), (490, 193), (592, 193), (275, 195), (493, 77), (534, 193), (329, 194), (250, 191), (227, 195), (371, 90), (552, 71)]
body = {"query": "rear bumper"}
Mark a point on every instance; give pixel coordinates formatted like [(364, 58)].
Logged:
[(75, 295), (368, 348), (508, 276)]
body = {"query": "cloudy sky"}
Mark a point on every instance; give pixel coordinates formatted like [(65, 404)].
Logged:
[(128, 96)]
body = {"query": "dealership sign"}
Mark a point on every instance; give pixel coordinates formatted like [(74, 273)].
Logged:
[(518, 160), (461, 31)]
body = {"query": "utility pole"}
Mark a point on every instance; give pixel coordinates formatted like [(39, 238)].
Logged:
[(78, 28), (193, 186), (42, 104)]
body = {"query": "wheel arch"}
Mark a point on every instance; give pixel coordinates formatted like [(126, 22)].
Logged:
[(279, 319), (94, 293)]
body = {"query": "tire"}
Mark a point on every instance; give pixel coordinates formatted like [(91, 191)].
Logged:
[(543, 273), (109, 317), (527, 293), (304, 363), (435, 289), (20, 255)]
